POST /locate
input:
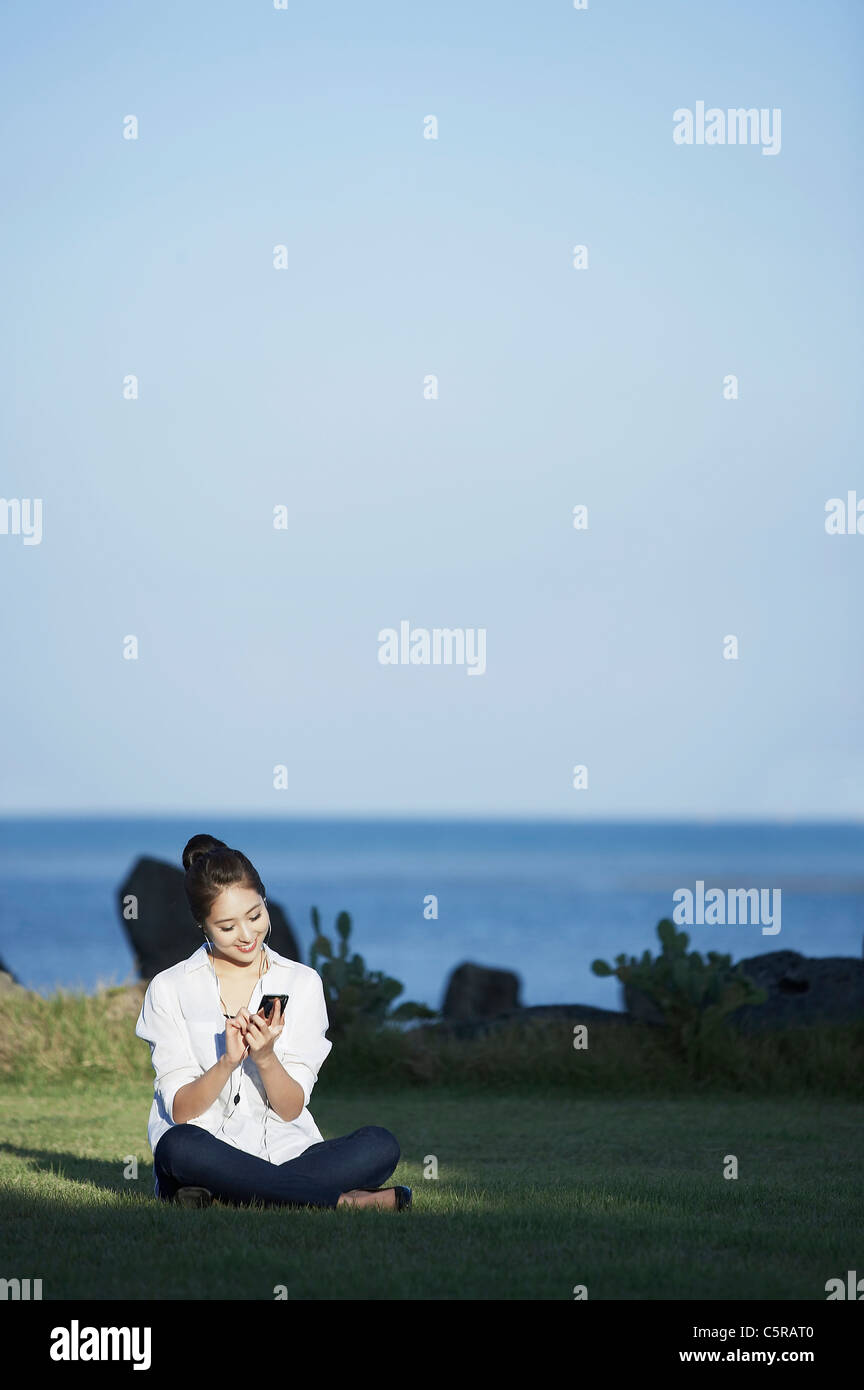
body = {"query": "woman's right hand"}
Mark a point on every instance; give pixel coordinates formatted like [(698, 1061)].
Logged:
[(235, 1047)]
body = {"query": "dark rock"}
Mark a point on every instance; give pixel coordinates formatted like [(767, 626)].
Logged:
[(802, 989), (164, 932), (540, 1013), (476, 991)]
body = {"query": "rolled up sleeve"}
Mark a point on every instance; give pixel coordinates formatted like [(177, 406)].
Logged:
[(161, 1025), (302, 1046)]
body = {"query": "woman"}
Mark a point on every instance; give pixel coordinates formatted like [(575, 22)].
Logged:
[(229, 1117)]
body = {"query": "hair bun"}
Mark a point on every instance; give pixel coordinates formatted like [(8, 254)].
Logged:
[(197, 847)]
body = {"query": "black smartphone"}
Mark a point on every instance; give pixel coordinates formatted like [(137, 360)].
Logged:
[(267, 1002)]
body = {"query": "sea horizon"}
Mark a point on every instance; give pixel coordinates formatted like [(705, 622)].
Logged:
[(542, 896)]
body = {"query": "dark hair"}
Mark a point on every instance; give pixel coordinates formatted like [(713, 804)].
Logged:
[(211, 866)]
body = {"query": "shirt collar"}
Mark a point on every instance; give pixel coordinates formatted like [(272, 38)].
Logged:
[(201, 957), (197, 959)]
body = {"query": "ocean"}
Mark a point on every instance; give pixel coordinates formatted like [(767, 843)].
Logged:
[(541, 898)]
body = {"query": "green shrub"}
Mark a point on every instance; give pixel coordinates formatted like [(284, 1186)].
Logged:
[(694, 996), (356, 996)]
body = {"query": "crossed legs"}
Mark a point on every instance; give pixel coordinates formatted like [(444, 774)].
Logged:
[(327, 1174)]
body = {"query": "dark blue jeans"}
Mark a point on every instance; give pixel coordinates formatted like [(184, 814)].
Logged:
[(189, 1156)]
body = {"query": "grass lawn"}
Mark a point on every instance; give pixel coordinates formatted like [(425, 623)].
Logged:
[(535, 1193)]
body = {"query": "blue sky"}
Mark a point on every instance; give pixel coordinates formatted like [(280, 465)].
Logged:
[(303, 387)]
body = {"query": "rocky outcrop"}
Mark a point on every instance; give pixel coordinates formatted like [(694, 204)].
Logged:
[(802, 989), (163, 932), (479, 999), (476, 991), (536, 1013)]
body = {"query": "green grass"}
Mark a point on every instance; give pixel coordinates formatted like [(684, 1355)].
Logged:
[(536, 1192), (73, 1035)]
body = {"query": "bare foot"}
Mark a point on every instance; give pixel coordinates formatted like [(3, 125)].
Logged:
[(386, 1198)]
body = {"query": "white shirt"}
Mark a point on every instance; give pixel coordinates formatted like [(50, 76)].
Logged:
[(183, 1021)]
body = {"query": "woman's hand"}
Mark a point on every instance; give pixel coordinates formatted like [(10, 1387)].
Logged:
[(235, 1040), (260, 1034)]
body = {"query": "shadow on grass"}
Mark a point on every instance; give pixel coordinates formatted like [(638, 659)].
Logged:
[(107, 1175), (100, 1172)]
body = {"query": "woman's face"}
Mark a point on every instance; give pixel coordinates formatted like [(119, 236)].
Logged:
[(237, 924)]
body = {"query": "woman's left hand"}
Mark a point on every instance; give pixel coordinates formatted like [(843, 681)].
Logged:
[(260, 1035)]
